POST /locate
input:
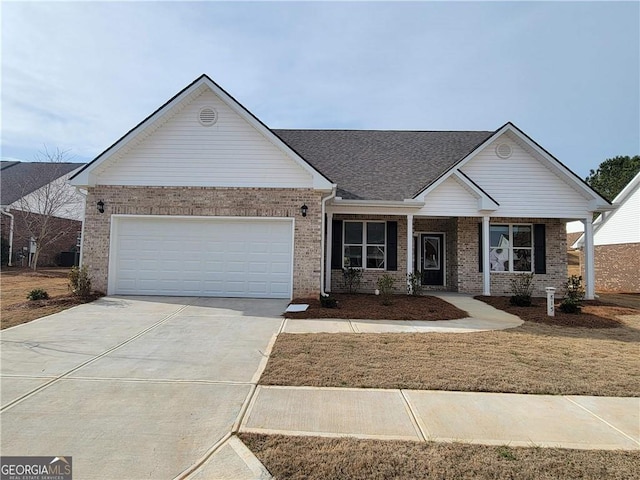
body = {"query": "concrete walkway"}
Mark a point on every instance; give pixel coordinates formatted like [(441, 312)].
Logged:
[(482, 317), (486, 418)]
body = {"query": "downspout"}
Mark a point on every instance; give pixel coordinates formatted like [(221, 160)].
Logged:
[(6, 212), (84, 214), (323, 232)]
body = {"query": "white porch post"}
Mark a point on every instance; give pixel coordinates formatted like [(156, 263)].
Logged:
[(409, 249), (589, 268), (486, 266), (327, 259)]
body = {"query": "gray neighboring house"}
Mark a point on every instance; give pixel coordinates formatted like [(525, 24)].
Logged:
[(202, 198), (22, 184)]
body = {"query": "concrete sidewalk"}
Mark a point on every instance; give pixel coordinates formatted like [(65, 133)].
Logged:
[(482, 317), (608, 423)]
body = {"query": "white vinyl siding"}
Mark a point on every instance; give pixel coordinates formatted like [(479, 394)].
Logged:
[(523, 185), (201, 256), (182, 152), (623, 226), (450, 198)]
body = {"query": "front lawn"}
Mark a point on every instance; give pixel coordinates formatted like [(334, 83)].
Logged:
[(315, 458), (370, 307), (16, 283), (533, 358)]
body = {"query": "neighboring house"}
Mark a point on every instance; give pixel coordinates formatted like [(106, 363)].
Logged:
[(202, 198), (36, 188), (616, 237)]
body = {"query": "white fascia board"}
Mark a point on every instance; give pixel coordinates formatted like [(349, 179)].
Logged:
[(485, 202), (374, 207)]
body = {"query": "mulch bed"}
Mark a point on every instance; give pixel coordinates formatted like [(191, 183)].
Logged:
[(594, 314), (370, 307), (66, 301)]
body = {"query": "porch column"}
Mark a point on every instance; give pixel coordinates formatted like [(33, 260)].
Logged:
[(409, 249), (589, 268), (486, 265), (327, 258)]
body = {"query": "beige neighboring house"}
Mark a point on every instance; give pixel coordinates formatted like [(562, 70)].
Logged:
[(203, 199), (616, 238)]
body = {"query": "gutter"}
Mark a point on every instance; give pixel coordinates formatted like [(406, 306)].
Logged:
[(5, 211), (406, 203), (323, 231)]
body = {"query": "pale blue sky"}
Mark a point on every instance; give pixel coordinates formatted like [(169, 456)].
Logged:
[(78, 75)]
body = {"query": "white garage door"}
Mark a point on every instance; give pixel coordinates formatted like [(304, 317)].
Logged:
[(213, 257)]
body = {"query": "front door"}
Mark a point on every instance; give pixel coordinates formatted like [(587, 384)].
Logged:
[(432, 249)]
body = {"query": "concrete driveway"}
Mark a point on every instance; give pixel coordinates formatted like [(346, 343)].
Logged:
[(135, 387)]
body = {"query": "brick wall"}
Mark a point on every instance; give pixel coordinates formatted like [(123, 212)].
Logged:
[(617, 268), (207, 201), (470, 279), (64, 232)]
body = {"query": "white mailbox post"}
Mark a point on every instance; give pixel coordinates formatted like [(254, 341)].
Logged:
[(550, 299)]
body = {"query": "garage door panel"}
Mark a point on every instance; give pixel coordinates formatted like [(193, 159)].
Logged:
[(202, 257)]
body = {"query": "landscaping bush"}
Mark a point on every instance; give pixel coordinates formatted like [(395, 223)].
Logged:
[(328, 301), (574, 295), (414, 283), (352, 278), (521, 289), (386, 285), (79, 282), (38, 294)]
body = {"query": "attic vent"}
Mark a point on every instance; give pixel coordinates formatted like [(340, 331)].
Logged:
[(504, 150), (208, 116)]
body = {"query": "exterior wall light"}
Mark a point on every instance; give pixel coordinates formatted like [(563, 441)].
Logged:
[(303, 210), (100, 206)]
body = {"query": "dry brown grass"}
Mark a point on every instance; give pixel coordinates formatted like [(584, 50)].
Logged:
[(15, 284), (533, 358), (370, 307), (314, 458)]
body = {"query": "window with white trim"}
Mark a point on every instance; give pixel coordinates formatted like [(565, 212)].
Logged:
[(511, 248), (364, 245)]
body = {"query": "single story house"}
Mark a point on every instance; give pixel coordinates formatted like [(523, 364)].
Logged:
[(202, 198), (33, 194), (616, 239)]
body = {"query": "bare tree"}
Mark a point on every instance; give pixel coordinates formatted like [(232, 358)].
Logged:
[(46, 210)]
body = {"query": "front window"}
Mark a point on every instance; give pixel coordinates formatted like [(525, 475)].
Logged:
[(511, 248), (364, 245)]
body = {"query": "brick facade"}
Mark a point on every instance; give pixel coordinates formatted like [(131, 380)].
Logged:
[(470, 278), (461, 256), (617, 267), (207, 201), (64, 230)]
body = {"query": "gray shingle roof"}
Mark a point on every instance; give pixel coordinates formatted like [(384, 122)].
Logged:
[(18, 179), (381, 165)]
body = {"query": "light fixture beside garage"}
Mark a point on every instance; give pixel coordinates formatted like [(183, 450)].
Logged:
[(100, 206), (303, 209)]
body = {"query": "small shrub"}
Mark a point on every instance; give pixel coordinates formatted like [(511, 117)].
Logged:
[(574, 295), (38, 294), (328, 301), (386, 285), (414, 283), (521, 290), (79, 282), (352, 278)]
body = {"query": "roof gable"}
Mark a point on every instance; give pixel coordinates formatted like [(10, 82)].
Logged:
[(112, 164)]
